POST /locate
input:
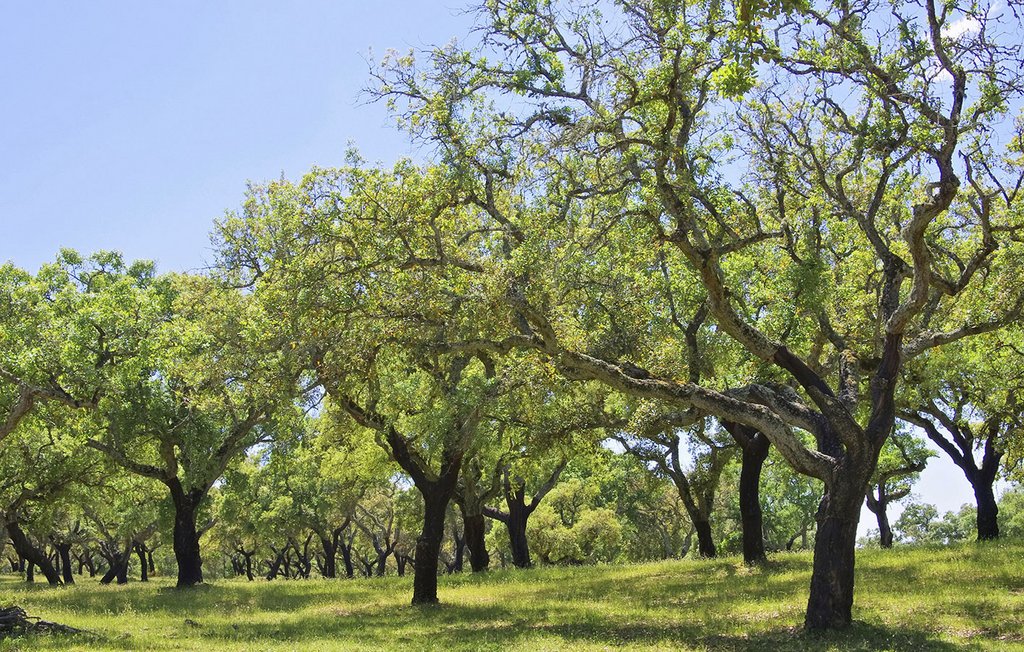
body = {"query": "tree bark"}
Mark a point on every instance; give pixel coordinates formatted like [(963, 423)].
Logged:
[(473, 535), (884, 529), (247, 564), (519, 544), (64, 551), (830, 603), (275, 565), (31, 553), (346, 558), (960, 448), (381, 565), (754, 446), (117, 564), (140, 550), (988, 510), (330, 549), (879, 507), (459, 543), (186, 535), (705, 538), (428, 546)]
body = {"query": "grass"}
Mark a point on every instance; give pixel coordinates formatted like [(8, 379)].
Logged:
[(964, 597)]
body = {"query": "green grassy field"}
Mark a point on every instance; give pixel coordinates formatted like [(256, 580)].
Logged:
[(966, 597)]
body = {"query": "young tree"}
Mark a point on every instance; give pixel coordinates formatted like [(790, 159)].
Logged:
[(520, 505), (902, 459), (969, 407), (472, 494), (209, 389), (662, 448)]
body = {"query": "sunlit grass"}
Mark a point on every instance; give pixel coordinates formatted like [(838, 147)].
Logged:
[(969, 596)]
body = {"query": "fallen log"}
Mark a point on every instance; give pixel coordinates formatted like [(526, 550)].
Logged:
[(14, 621)]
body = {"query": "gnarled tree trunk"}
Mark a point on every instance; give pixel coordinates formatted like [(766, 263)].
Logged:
[(31, 553), (186, 534)]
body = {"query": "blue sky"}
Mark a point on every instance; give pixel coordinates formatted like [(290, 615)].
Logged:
[(133, 125)]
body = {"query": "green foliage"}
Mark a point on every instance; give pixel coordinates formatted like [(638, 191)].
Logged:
[(920, 523), (568, 529)]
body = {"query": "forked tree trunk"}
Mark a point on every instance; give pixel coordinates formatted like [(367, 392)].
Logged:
[(117, 565), (381, 565), (346, 558), (248, 565), (879, 506), (705, 537), (519, 545), (960, 447), (519, 511)]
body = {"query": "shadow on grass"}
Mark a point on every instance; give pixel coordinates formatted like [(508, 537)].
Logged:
[(455, 627)]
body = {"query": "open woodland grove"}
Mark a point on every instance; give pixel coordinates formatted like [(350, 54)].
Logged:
[(676, 290)]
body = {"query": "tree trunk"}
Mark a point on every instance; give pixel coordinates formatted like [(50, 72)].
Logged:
[(275, 565), (705, 538), (117, 564), (428, 545), (346, 558), (32, 555), (122, 568), (459, 543), (140, 550), (884, 529), (247, 565), (186, 536), (30, 572), (879, 506), (988, 510), (330, 556), (381, 564), (831, 598), (64, 551), (518, 543), (473, 535), (755, 452)]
